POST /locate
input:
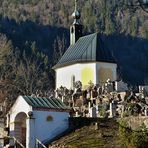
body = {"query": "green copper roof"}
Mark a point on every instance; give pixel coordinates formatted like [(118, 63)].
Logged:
[(37, 102), (89, 48)]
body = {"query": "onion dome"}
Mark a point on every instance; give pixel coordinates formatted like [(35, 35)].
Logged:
[(76, 14)]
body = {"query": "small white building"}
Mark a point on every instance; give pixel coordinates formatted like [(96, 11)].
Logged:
[(33, 118)]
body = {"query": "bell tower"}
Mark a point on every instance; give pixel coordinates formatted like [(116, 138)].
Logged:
[(76, 27)]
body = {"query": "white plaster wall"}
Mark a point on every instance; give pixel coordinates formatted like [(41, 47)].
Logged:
[(64, 74), (111, 66), (48, 129), (19, 106)]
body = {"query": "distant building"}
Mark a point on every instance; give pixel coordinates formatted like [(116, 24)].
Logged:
[(87, 59), (33, 118)]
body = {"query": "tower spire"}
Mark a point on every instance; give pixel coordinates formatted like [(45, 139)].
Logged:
[(76, 27), (76, 14), (75, 5)]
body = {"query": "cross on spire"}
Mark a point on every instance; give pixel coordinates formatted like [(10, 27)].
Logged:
[(76, 5), (76, 14)]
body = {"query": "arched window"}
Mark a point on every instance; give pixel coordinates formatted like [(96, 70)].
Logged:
[(72, 81), (72, 30)]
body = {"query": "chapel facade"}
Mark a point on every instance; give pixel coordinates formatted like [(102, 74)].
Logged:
[(87, 59)]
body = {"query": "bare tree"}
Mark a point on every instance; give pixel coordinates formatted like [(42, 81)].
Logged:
[(59, 48)]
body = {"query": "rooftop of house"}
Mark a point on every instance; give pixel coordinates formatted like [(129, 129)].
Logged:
[(89, 48), (45, 103)]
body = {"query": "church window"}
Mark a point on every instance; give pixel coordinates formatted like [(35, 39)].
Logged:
[(49, 118), (72, 30), (72, 81)]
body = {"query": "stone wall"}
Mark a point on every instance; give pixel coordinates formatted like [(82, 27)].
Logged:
[(78, 122), (135, 122)]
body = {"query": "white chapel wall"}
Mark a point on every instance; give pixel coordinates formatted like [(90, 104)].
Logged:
[(106, 71), (64, 74), (46, 129), (101, 71)]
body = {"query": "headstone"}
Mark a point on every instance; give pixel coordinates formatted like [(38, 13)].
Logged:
[(120, 86), (62, 99), (146, 99), (122, 110), (96, 126), (92, 112), (89, 105), (77, 115), (1, 132), (112, 110), (146, 112)]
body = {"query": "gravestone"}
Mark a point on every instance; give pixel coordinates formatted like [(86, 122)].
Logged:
[(92, 112), (1, 132)]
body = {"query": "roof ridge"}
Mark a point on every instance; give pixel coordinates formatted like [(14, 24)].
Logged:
[(88, 35)]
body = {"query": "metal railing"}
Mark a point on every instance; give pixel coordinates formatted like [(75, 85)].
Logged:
[(39, 143), (17, 144)]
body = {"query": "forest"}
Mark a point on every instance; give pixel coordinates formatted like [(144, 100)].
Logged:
[(34, 34)]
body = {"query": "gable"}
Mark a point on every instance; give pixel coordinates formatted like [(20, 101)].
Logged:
[(20, 105)]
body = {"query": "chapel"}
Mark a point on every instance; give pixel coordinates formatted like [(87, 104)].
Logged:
[(88, 59)]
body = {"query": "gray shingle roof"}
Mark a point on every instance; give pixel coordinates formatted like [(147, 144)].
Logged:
[(89, 48), (37, 102)]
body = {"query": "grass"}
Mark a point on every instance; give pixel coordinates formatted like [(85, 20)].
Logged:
[(86, 143), (87, 137)]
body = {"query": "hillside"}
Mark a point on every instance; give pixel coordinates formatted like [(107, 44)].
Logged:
[(106, 16), (35, 33), (106, 136)]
